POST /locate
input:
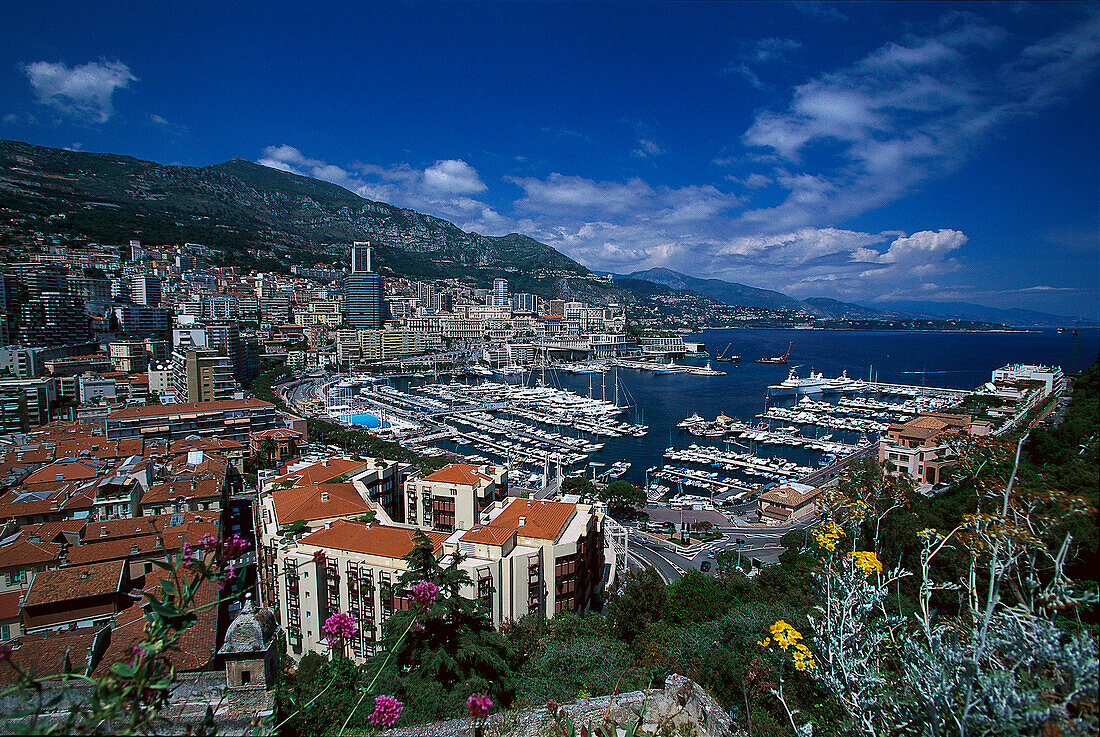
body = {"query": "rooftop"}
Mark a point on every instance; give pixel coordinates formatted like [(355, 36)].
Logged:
[(526, 517), (161, 410), (75, 582), (458, 473), (370, 539), (317, 501)]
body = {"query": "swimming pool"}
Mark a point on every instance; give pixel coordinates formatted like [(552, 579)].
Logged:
[(364, 419)]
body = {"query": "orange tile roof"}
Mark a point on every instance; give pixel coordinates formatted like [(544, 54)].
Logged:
[(22, 552), (78, 470), (317, 501), (75, 582), (137, 526), (45, 653), (213, 444), (157, 410), (49, 532), (458, 473), (9, 604), (321, 472), (140, 547), (197, 646), (370, 539), (541, 519), (183, 487)]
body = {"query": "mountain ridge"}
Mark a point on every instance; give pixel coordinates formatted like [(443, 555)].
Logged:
[(264, 217)]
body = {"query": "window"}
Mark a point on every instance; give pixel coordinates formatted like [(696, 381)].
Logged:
[(246, 677)]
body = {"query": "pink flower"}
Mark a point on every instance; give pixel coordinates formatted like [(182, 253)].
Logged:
[(424, 594), (386, 711), (208, 542), (320, 557), (479, 705), (5, 651), (417, 627), (236, 545), (339, 627)]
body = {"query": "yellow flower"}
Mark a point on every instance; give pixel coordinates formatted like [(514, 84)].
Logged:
[(928, 532), (867, 561), (827, 534), (784, 634)]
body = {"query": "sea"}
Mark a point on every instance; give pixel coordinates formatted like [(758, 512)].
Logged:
[(936, 359)]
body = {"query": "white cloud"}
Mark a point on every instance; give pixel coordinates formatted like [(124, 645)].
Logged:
[(159, 120), (647, 148), (769, 49), (83, 91), (455, 176), (442, 189), (912, 111)]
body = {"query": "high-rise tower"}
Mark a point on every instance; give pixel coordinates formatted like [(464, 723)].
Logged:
[(362, 291)]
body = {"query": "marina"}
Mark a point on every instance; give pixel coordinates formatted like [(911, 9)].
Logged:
[(592, 417)]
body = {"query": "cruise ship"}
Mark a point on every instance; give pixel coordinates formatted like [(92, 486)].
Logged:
[(793, 386)]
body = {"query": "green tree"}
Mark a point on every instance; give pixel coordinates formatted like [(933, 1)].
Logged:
[(454, 651), (578, 485), (640, 600), (622, 496)]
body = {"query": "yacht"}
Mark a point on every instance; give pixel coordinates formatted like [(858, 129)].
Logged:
[(668, 368), (793, 386), (838, 385), (512, 369)]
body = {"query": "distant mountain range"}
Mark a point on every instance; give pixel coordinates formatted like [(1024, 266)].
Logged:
[(733, 293), (966, 311), (267, 219)]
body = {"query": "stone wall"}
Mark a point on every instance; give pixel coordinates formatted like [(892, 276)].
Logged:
[(682, 707)]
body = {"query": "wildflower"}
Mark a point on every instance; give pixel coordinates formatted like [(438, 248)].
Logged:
[(424, 594), (784, 634), (235, 545), (803, 658), (5, 651), (320, 557), (417, 627), (479, 705), (828, 534), (386, 711), (866, 561), (928, 533), (339, 627), (138, 654), (208, 542)]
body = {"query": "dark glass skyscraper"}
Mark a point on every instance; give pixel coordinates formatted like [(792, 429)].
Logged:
[(362, 291)]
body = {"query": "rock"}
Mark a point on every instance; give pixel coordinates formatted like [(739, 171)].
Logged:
[(682, 707)]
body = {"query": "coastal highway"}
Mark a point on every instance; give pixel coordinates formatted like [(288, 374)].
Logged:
[(755, 542)]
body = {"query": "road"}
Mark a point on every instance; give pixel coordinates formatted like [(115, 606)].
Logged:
[(756, 542)]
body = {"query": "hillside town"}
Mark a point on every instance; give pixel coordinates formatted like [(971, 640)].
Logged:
[(131, 435)]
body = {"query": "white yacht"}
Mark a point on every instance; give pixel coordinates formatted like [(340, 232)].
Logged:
[(793, 386)]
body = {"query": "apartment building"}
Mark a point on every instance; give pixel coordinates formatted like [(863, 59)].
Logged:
[(918, 448), (522, 556), (454, 496), (231, 419)]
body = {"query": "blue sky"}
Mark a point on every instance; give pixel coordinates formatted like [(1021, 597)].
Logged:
[(867, 152)]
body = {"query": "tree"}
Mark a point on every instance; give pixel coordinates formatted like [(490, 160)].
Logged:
[(622, 496), (578, 485), (453, 650), (640, 600), (695, 598)]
